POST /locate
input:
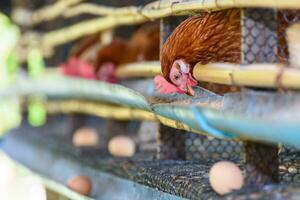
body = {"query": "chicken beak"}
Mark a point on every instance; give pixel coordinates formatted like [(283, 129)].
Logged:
[(190, 90)]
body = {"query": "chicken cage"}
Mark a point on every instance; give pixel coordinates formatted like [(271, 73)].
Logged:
[(244, 112)]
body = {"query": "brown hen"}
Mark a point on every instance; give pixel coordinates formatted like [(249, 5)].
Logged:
[(84, 44), (81, 58), (142, 46), (206, 38), (145, 42)]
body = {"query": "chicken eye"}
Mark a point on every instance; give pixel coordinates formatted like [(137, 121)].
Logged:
[(176, 77)]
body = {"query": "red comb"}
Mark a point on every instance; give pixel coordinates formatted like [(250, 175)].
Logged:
[(79, 68), (165, 87)]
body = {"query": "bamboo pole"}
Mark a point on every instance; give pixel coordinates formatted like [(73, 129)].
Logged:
[(255, 75), (93, 9), (178, 125), (141, 69), (99, 110), (134, 15), (167, 7), (52, 11), (112, 112), (64, 35)]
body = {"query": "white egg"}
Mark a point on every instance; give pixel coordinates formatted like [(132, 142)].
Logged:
[(85, 137), (121, 146), (225, 176)]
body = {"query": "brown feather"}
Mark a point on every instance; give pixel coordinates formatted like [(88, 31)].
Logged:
[(145, 42), (143, 45), (210, 37), (285, 19), (84, 44), (116, 52)]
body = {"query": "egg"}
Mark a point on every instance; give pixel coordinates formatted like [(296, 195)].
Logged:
[(85, 137), (225, 176), (121, 146), (80, 184)]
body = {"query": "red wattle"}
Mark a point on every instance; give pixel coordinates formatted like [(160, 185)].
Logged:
[(165, 87), (78, 68)]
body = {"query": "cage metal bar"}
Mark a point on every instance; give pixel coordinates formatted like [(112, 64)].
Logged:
[(171, 141), (261, 163), (260, 45)]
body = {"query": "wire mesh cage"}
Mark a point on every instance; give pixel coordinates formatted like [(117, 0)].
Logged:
[(208, 148), (259, 41), (289, 169), (263, 40)]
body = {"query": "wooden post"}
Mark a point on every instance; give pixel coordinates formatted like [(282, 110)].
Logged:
[(259, 45)]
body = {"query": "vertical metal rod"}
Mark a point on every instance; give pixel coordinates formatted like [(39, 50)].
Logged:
[(171, 141), (260, 45)]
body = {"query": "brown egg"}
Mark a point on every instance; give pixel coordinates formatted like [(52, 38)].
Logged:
[(80, 184), (121, 146), (85, 137), (225, 176)]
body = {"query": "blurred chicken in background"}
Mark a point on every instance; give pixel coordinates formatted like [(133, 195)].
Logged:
[(93, 61)]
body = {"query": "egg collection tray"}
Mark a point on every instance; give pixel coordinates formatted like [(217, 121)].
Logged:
[(241, 115), (48, 149)]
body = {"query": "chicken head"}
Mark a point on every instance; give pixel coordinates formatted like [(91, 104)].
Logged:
[(78, 68), (107, 72), (180, 77)]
